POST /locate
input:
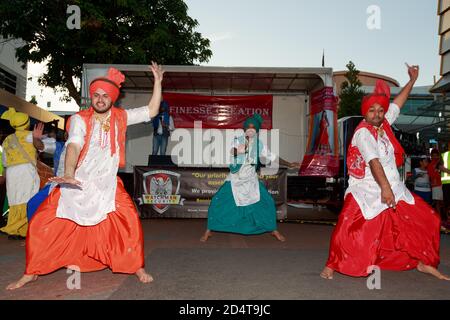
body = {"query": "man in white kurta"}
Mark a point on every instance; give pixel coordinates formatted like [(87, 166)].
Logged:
[(89, 222), (382, 224), (366, 191), (91, 204)]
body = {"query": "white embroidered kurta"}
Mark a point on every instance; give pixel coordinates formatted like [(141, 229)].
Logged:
[(366, 191), (245, 183), (91, 204)]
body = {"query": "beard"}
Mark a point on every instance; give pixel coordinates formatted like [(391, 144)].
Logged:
[(376, 121), (103, 109)]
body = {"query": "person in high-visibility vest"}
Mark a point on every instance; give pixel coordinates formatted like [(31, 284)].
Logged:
[(435, 169), (446, 176), (446, 184)]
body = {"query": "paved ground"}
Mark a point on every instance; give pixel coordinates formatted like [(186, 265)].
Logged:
[(228, 266)]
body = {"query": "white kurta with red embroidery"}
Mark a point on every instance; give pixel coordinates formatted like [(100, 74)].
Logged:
[(366, 191), (91, 204)]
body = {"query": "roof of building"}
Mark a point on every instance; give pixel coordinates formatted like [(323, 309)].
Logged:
[(370, 75)]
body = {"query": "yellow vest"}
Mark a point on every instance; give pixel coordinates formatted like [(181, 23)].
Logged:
[(1, 162), (445, 176), (14, 156)]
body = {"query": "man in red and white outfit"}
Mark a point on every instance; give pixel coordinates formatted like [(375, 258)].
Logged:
[(89, 222), (382, 224)]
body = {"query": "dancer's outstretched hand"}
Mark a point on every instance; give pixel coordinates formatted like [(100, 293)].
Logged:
[(66, 180), (157, 71), (413, 72)]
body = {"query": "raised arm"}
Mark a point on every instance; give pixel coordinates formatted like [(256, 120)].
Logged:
[(70, 163), (37, 136), (153, 105), (402, 97), (265, 152)]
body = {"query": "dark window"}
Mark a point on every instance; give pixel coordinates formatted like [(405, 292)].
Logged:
[(8, 81)]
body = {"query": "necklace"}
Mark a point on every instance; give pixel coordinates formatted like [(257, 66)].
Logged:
[(103, 130), (380, 131), (104, 123)]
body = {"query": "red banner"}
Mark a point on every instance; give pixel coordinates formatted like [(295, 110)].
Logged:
[(219, 112), (322, 153)]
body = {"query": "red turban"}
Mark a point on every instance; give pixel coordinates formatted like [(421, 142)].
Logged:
[(110, 84), (380, 95)]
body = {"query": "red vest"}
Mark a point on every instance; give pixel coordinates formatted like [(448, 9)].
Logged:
[(355, 162), (119, 117)]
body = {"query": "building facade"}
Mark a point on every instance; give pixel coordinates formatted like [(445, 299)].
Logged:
[(13, 74)]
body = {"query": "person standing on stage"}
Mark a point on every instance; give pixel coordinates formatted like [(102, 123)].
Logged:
[(382, 224), (162, 127)]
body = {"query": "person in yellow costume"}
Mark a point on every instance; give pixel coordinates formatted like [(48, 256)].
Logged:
[(3, 202), (22, 179)]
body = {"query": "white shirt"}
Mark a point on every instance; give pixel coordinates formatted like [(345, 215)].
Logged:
[(91, 204), (366, 191), (171, 126), (422, 180)]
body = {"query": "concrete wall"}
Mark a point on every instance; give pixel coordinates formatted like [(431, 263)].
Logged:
[(9, 63), (289, 117)]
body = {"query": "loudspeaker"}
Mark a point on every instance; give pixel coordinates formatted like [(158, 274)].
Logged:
[(159, 160)]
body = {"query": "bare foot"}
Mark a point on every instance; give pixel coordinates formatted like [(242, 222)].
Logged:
[(432, 270), (26, 278), (327, 273), (143, 276), (279, 236), (206, 236)]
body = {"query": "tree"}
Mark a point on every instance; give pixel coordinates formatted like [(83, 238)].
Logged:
[(119, 31), (33, 100), (351, 93)]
